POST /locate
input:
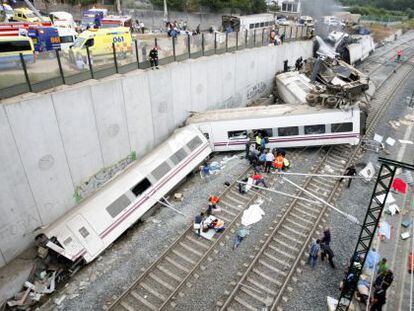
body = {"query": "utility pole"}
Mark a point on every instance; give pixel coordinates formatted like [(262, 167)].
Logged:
[(118, 6), (165, 11)]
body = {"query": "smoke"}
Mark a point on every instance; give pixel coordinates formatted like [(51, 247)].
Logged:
[(319, 8)]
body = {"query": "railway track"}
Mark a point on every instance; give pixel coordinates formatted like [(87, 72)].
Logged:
[(165, 278), (269, 274)]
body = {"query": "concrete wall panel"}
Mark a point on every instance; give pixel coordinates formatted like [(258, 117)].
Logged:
[(77, 124), (65, 137), (161, 104), (199, 84), (110, 116), (181, 96), (19, 214), (36, 131), (138, 107)]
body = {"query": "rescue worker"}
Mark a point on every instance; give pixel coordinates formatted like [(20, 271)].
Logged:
[(212, 205), (278, 164), (378, 300), (313, 253), (387, 279), (326, 236), (410, 263), (269, 161), (198, 223), (399, 54), (327, 252), (350, 171), (153, 58), (258, 141), (286, 164)]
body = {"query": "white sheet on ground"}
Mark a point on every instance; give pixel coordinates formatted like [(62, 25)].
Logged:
[(252, 215), (390, 141), (390, 198), (249, 184), (385, 229), (378, 138), (209, 234)]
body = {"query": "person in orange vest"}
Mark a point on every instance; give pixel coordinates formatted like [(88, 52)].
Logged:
[(212, 205), (279, 162), (410, 262), (399, 54)]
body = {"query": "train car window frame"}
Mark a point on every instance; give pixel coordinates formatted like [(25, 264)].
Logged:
[(315, 129), (269, 131), (141, 187), (262, 24), (161, 170), (242, 134), (342, 127), (84, 232), (251, 26), (116, 207), (194, 143), (257, 25), (289, 131), (178, 156)]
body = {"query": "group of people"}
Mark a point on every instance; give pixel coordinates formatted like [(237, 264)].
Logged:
[(264, 159), (206, 219), (321, 247), (175, 28), (275, 38)]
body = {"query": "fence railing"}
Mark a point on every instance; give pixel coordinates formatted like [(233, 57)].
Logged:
[(54, 68)]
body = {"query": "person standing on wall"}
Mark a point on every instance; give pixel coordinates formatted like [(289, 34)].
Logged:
[(153, 57)]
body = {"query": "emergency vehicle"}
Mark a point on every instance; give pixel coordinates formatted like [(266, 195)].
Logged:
[(100, 42), (19, 29), (10, 49), (44, 38), (112, 21), (25, 15)]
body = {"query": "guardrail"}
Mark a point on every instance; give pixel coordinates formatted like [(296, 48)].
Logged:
[(55, 68)]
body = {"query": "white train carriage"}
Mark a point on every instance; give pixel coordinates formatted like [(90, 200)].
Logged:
[(86, 230), (284, 125)]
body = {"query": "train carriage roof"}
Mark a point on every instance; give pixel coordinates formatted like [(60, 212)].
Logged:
[(257, 112)]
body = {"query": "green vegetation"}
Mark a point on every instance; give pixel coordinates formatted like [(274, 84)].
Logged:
[(382, 9), (244, 6)]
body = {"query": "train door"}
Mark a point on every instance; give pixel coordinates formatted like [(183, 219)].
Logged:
[(207, 132), (86, 235)]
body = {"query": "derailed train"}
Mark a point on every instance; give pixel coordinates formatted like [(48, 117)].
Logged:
[(80, 235)]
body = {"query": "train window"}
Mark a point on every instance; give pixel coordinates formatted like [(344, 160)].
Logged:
[(257, 25), (251, 26), (342, 127), (314, 129), (83, 232), (161, 171), (67, 241), (206, 135), (177, 157), (288, 131), (194, 143), (237, 134), (118, 205), (261, 24), (264, 132), (141, 187)]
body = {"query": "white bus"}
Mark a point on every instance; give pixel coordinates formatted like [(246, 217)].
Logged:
[(248, 22)]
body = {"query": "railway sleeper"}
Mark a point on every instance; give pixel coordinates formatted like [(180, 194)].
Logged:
[(275, 259), (160, 281), (167, 272), (198, 241), (286, 227), (228, 211), (177, 265), (153, 291), (301, 218), (323, 182), (127, 306), (267, 277), (185, 258), (190, 249), (236, 200), (305, 213), (244, 304), (253, 295), (285, 244), (236, 193), (287, 236), (272, 267), (281, 252), (308, 207), (259, 285), (143, 301), (295, 223), (232, 206)]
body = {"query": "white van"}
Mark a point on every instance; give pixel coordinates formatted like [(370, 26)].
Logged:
[(62, 19), (67, 37)]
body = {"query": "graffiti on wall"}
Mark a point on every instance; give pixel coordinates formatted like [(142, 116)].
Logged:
[(89, 186), (256, 90)]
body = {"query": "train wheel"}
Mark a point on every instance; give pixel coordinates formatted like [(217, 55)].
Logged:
[(331, 102), (312, 99)]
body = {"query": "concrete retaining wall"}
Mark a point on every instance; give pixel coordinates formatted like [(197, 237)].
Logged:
[(51, 143)]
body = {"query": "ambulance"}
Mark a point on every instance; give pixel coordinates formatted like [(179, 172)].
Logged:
[(99, 42)]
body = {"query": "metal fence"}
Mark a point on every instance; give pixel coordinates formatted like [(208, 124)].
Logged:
[(55, 68)]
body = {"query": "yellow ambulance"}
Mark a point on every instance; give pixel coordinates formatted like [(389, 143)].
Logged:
[(100, 42), (25, 15)]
